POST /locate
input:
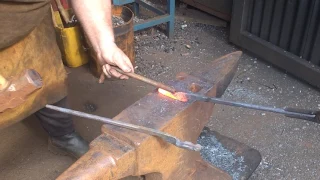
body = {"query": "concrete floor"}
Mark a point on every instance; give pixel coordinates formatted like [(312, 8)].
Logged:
[(290, 148)]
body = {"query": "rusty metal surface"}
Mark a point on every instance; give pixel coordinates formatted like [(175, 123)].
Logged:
[(119, 153), (237, 159)]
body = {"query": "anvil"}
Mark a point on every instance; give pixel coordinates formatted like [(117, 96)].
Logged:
[(118, 153)]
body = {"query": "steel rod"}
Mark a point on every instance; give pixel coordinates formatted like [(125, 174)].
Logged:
[(290, 113), (166, 137)]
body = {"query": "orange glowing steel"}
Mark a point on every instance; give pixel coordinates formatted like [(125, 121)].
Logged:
[(177, 96), (167, 93)]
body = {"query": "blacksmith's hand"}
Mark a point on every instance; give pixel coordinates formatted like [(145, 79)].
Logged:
[(110, 56)]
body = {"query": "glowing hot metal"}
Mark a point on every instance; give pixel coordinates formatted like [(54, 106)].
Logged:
[(177, 96)]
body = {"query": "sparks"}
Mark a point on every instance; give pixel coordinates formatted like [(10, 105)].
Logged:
[(177, 96)]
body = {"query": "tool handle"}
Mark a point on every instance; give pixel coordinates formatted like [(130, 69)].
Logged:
[(63, 12), (146, 80)]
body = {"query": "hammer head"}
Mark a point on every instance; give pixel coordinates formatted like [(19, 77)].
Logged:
[(3, 83)]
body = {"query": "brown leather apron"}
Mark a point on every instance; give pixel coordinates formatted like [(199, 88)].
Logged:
[(38, 51)]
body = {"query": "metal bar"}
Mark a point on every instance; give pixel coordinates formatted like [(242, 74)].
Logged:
[(315, 55), (277, 21), (288, 23), (151, 8), (166, 137), (239, 23), (289, 113), (299, 27), (250, 5), (122, 2), (266, 20), (311, 30), (257, 17), (151, 22), (136, 9), (165, 17), (171, 11)]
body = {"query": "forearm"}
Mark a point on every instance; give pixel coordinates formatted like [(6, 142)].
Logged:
[(95, 18)]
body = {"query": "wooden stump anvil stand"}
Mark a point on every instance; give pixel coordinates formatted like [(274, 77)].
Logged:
[(119, 153)]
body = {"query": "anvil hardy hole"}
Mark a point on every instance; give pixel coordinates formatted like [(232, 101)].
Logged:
[(194, 87)]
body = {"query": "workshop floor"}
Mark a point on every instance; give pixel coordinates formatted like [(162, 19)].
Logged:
[(290, 148)]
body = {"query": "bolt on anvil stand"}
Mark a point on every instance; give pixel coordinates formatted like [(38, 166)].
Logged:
[(163, 16)]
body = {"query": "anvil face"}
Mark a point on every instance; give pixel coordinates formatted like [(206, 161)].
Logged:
[(118, 153)]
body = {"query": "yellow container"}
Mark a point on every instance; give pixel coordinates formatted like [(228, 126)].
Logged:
[(71, 42)]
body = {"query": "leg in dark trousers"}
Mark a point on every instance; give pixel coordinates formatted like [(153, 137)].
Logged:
[(63, 138), (54, 122)]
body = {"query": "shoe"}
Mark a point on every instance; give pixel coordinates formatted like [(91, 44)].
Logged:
[(71, 144)]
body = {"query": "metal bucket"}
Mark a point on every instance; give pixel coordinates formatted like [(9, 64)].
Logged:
[(124, 38), (70, 41)]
